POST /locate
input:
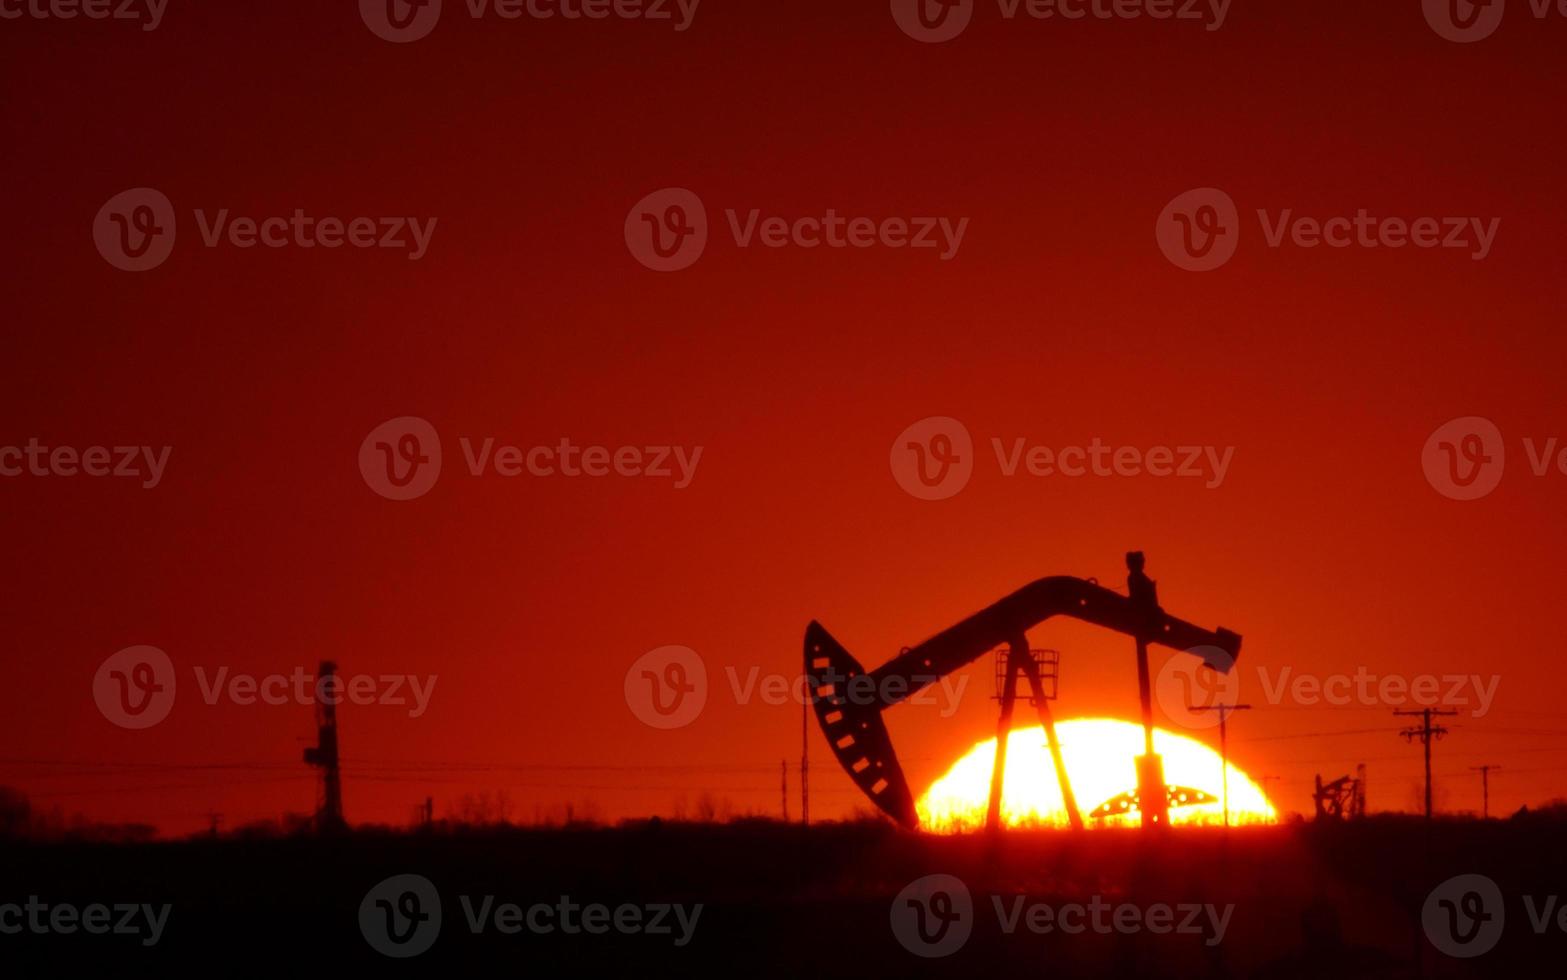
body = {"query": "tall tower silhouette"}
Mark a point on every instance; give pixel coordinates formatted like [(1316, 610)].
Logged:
[(329, 801)]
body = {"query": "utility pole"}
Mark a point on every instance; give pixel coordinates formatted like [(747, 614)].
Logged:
[(805, 757), (1426, 732), (1224, 710), (1485, 786)]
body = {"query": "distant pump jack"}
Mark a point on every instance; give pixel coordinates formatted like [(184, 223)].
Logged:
[(849, 710)]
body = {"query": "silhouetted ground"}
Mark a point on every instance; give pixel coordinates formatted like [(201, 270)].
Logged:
[(1337, 901)]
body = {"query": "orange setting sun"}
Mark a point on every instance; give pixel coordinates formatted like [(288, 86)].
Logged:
[(1100, 756)]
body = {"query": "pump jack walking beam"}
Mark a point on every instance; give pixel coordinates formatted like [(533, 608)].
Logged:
[(849, 701)]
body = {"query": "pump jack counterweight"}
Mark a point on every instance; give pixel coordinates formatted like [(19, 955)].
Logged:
[(849, 701)]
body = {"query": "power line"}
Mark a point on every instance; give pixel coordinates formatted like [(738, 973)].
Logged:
[(1329, 734)]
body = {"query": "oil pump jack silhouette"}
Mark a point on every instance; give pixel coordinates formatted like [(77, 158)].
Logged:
[(849, 702)]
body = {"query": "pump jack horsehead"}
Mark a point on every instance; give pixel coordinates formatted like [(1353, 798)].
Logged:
[(849, 708)]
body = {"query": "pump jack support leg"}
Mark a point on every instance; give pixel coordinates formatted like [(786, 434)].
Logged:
[(1152, 795), (1048, 723), (1003, 731)]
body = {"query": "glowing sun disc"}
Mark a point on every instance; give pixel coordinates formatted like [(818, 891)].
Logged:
[(1100, 755)]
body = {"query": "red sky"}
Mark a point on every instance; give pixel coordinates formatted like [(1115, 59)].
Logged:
[(1059, 322)]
